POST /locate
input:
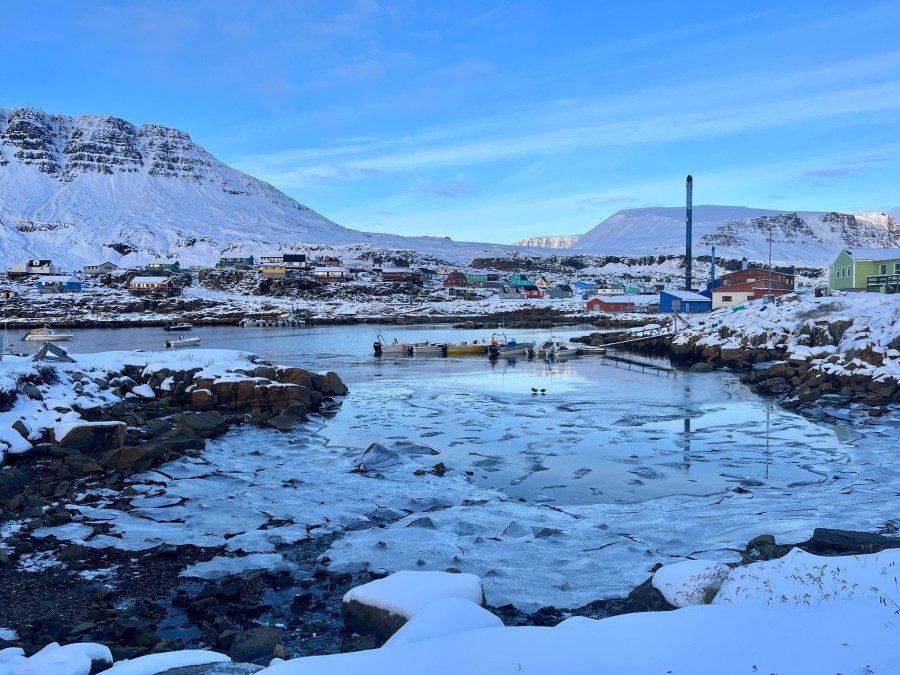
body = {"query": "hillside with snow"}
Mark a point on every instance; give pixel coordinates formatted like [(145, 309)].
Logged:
[(798, 238), (81, 190)]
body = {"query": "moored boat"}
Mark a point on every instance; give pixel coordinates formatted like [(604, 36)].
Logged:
[(46, 334), (180, 327), (555, 348), (395, 348), (430, 349), (467, 349), (590, 350), (183, 342), (500, 347)]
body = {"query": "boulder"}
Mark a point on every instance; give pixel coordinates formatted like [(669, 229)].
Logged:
[(90, 436), (329, 384), (257, 644), (83, 464), (206, 424), (381, 607), (143, 457), (826, 541), (295, 376)]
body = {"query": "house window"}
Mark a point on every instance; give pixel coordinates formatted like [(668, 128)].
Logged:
[(897, 268), (726, 298), (882, 269)]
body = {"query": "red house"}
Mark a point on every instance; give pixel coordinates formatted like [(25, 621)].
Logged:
[(617, 303), (456, 280), (401, 274)]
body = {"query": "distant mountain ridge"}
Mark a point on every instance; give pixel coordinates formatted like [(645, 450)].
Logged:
[(553, 241), (804, 238)]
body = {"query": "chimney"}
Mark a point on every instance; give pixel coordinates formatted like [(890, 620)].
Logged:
[(687, 246), (744, 264)]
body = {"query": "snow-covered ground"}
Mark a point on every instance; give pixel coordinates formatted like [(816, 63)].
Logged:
[(800, 615)]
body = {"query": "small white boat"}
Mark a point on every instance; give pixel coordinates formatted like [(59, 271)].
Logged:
[(178, 327), (590, 350), (555, 348), (46, 334), (429, 349), (183, 342), (395, 348)]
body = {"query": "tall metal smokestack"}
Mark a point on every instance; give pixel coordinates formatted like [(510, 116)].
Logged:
[(713, 273), (688, 233)]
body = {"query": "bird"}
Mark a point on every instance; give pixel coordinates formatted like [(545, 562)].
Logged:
[(543, 391), (533, 391)]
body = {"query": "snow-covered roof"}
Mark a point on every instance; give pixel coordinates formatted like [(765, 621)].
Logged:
[(150, 280), (397, 270), (614, 298), (57, 279), (873, 253), (687, 295)]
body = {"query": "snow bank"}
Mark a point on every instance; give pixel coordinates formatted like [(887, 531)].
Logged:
[(405, 593)]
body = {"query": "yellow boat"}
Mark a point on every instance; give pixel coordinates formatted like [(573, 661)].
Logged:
[(466, 349)]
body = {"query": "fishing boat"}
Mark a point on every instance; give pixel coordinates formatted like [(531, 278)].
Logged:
[(395, 348), (591, 350), (430, 349), (555, 348), (467, 349), (46, 334), (183, 342), (181, 327), (501, 347)]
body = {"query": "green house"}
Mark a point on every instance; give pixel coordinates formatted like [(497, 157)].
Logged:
[(865, 269), (171, 265)]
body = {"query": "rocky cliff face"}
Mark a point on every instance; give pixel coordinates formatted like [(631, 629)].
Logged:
[(91, 188)]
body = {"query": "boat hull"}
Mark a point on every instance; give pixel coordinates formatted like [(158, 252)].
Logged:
[(184, 342)]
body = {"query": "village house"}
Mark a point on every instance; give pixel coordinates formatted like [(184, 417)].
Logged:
[(456, 280), (610, 304), (751, 283), (427, 274), (153, 286), (329, 273), (170, 265), (43, 266), (561, 292), (273, 270), (236, 261), (7, 294), (686, 302), (58, 284), (295, 261), (584, 287), (511, 293), (271, 259), (102, 268), (521, 281), (543, 283), (457, 293), (327, 261), (401, 274), (866, 269)]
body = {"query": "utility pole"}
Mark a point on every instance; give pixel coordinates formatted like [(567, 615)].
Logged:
[(689, 217), (769, 292)]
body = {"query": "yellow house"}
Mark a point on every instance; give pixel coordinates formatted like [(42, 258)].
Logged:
[(273, 270)]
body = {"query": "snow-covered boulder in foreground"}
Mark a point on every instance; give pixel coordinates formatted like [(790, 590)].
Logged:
[(692, 582), (382, 606), (801, 614)]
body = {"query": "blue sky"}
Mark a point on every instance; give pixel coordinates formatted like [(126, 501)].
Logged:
[(492, 121)]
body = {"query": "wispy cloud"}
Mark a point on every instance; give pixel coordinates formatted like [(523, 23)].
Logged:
[(450, 190)]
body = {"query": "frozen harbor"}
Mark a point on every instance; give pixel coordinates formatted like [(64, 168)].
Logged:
[(565, 482)]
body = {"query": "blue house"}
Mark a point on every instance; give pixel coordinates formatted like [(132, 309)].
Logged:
[(584, 286), (57, 284), (686, 302)]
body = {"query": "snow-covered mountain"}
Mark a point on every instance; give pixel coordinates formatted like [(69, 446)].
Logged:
[(82, 190), (800, 238), (558, 241)]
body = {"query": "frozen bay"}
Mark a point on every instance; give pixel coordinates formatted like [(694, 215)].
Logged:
[(560, 497)]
